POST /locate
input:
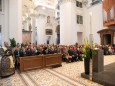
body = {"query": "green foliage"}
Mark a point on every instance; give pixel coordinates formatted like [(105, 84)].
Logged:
[(87, 50), (87, 53), (94, 53), (12, 43)]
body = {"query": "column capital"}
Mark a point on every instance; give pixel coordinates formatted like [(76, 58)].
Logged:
[(65, 1)]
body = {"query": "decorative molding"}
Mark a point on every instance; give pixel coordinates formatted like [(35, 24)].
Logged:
[(65, 1)]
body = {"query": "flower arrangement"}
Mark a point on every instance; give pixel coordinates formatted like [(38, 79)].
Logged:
[(87, 51)]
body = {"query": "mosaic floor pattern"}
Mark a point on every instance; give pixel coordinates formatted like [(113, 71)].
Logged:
[(14, 80), (73, 71), (67, 75), (46, 78)]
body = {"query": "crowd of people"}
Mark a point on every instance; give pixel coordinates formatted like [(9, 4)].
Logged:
[(69, 53), (108, 49)]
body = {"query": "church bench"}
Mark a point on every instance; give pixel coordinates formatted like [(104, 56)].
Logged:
[(39, 61), (52, 60)]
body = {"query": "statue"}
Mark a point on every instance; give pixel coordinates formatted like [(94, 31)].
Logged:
[(48, 19)]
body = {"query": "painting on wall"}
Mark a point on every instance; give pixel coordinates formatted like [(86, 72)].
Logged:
[(49, 32)]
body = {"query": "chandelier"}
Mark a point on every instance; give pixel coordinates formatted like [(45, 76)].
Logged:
[(85, 2)]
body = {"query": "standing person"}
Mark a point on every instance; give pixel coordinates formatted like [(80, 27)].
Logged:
[(16, 55)]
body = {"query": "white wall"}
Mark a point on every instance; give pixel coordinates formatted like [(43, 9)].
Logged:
[(97, 22)]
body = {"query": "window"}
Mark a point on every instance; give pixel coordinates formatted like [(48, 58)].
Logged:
[(95, 2), (79, 19), (79, 4), (0, 5)]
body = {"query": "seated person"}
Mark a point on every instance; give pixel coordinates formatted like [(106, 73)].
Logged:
[(39, 51), (70, 51), (28, 52), (51, 51), (22, 52), (65, 55), (45, 50), (75, 54), (79, 54)]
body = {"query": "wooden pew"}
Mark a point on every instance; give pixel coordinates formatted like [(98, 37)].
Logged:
[(52, 60), (39, 61), (30, 62)]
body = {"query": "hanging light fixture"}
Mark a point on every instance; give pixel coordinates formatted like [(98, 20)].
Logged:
[(85, 2)]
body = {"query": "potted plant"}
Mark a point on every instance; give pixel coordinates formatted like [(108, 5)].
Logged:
[(87, 55), (12, 43)]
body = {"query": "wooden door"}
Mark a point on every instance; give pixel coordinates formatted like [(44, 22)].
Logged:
[(26, 37)]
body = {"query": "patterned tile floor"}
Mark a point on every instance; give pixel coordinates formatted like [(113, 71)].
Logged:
[(67, 75)]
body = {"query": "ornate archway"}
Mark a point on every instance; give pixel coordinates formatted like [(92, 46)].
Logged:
[(106, 32)]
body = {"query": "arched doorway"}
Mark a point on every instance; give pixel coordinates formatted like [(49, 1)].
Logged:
[(107, 39), (58, 34), (106, 36)]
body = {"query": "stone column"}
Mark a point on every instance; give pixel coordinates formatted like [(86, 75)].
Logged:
[(4, 18), (67, 22), (40, 24), (33, 29), (15, 20)]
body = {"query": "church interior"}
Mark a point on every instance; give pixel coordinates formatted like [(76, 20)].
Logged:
[(57, 42)]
